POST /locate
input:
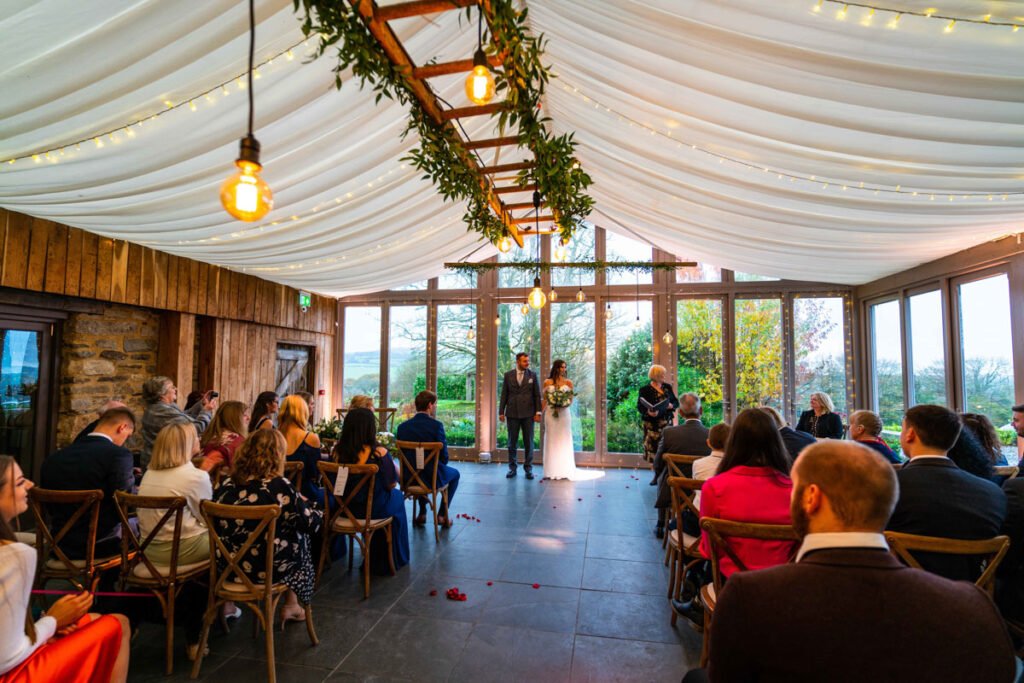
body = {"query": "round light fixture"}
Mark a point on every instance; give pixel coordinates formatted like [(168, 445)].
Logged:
[(536, 299), (505, 244), (245, 195)]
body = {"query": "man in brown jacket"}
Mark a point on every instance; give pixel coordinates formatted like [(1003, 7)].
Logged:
[(847, 610)]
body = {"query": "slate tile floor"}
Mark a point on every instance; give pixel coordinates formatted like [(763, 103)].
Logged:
[(599, 615)]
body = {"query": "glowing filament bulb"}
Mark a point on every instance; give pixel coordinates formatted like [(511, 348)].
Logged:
[(950, 26), (471, 334), (536, 298), (817, 8), (505, 244), (480, 82), (245, 195), (841, 14), (894, 22), (580, 296)]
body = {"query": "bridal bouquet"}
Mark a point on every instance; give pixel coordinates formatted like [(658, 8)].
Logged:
[(560, 398)]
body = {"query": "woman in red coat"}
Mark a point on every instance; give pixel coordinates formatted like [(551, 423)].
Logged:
[(752, 485)]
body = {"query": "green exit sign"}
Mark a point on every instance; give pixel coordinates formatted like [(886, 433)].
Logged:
[(305, 300)]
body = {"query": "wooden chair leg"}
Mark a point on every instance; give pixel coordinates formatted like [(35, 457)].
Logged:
[(268, 615), (309, 625), (211, 614), (169, 635), (433, 509), (391, 548), (707, 637), (672, 576), (366, 564)]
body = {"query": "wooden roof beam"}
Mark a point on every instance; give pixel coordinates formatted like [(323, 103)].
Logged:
[(475, 110), (445, 68), (530, 187), (529, 219), (418, 8), (506, 168), (492, 142), (522, 205)]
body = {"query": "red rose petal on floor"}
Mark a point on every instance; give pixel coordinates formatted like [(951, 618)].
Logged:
[(462, 597), (490, 583), (536, 585), (433, 593)]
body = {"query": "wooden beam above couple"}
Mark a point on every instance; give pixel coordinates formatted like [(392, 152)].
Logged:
[(418, 8), (457, 67)]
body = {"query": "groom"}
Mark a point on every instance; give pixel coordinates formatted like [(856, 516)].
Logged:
[(520, 408)]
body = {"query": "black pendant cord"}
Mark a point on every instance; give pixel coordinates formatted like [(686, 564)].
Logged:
[(252, 51), (480, 28)]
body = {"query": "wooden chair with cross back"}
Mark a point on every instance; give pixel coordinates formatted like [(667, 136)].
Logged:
[(684, 548), (231, 583), (719, 531), (989, 552), (421, 482), (163, 580), (677, 465), (353, 518), (53, 562)]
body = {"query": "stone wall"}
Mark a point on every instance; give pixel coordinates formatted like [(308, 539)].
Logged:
[(105, 355)]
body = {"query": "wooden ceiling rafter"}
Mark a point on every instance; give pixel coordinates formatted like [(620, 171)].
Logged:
[(377, 18)]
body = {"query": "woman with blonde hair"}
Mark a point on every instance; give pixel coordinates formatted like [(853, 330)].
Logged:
[(302, 445), (67, 644), (226, 432), (361, 401), (258, 479), (657, 405), (821, 421)]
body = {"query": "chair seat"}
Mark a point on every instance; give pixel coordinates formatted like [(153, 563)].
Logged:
[(25, 537), (54, 563), (708, 596), (422, 490), (142, 571), (240, 588), (344, 524), (688, 540)]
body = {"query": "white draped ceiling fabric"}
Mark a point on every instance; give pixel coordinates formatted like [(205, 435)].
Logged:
[(762, 136)]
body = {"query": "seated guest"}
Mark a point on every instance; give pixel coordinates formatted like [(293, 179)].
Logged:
[(794, 440), (752, 485), (100, 461), (986, 433), (939, 499), (225, 434), (161, 399), (969, 455), (302, 445), (358, 445), (704, 469), (171, 473), (847, 610), (258, 479), (1010, 588), (67, 644), (264, 412), (821, 421), (91, 427), (689, 437), (361, 401), (424, 427), (310, 400), (866, 429)]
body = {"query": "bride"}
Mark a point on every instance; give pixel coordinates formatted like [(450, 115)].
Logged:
[(559, 456)]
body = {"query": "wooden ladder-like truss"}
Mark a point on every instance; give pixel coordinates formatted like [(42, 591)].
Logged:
[(377, 19)]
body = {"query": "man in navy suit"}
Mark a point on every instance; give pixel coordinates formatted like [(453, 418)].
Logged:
[(424, 427), (98, 461), (939, 499)]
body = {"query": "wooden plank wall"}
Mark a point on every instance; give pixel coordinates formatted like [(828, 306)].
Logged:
[(43, 256)]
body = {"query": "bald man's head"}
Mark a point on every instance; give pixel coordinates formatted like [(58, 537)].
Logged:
[(842, 486)]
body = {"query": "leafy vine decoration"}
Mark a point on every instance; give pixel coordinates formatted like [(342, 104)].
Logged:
[(441, 155), (531, 266)]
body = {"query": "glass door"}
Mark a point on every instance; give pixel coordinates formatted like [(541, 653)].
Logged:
[(26, 421)]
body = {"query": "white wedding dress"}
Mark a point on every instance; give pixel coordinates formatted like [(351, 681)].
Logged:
[(558, 451)]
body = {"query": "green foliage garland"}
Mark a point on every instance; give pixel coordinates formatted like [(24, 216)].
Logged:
[(533, 266), (441, 154)]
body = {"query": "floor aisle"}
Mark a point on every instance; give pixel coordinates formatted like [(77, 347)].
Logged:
[(600, 613)]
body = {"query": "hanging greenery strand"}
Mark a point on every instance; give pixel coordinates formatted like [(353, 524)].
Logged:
[(532, 266), (441, 155)]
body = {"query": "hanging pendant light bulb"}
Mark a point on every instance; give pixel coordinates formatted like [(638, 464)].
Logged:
[(667, 338), (608, 312), (524, 309), (244, 194), (536, 299), (480, 82), (497, 320), (504, 244), (471, 334), (580, 296), (637, 324), (553, 296)]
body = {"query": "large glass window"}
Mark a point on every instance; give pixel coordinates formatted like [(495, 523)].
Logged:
[(758, 353), (361, 364), (509, 277), (572, 340), (819, 344), (702, 272), (456, 279), (412, 286), (517, 332), (581, 248), (456, 373), (985, 340), (887, 365), (751, 277), (699, 349), (927, 358), (19, 395), (621, 248), (407, 358), (628, 358)]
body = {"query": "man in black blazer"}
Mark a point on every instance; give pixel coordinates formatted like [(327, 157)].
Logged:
[(91, 427), (519, 408), (690, 437), (98, 461), (939, 499), (794, 439), (847, 610)]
